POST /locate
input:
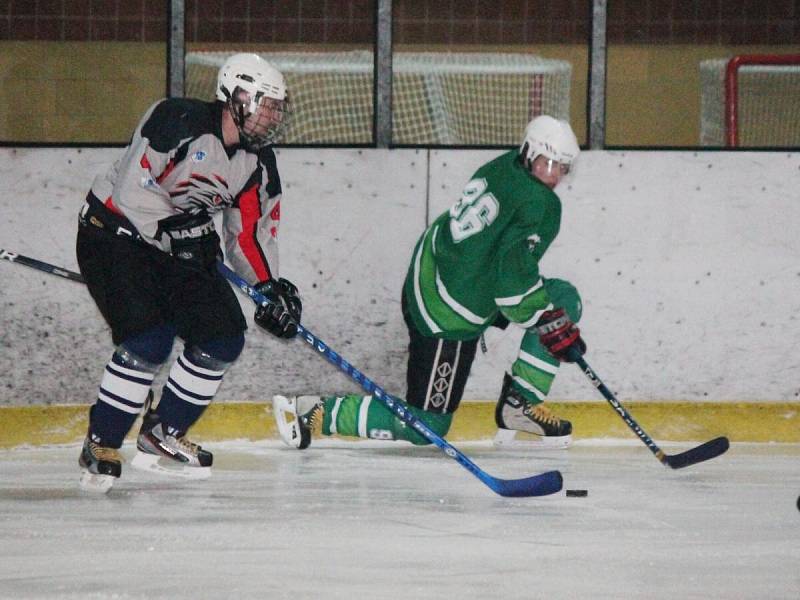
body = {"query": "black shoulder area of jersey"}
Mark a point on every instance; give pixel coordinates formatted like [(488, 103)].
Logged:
[(176, 119), (266, 156)]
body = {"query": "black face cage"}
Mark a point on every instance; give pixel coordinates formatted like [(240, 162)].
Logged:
[(236, 106)]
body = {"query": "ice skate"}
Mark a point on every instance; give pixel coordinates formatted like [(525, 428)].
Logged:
[(306, 413), (164, 451), (101, 466), (520, 423)]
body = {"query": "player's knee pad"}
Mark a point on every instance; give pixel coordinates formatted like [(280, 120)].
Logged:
[(564, 295), (217, 354), (148, 350)]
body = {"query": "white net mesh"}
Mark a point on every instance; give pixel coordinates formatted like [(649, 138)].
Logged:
[(438, 98), (768, 104)]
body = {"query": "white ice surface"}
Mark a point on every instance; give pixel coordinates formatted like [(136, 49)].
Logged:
[(392, 521)]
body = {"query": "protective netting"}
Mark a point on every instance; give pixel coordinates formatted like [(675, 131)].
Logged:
[(438, 98), (768, 104)]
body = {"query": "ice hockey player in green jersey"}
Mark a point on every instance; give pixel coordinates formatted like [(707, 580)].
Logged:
[(475, 266)]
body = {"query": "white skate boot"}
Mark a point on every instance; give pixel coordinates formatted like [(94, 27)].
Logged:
[(305, 414)]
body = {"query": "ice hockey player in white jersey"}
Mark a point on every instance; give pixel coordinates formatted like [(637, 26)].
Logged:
[(147, 248)]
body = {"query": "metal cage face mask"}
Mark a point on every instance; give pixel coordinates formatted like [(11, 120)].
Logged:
[(261, 120)]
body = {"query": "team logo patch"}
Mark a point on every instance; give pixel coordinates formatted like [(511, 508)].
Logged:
[(441, 385), (198, 156)]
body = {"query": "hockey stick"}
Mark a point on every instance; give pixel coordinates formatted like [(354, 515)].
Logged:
[(543, 484), (40, 266), (706, 451)]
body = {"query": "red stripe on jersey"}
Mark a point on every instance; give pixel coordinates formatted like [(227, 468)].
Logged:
[(250, 209), (167, 170), (112, 207), (145, 164)]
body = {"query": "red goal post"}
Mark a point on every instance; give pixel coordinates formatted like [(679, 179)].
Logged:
[(732, 100)]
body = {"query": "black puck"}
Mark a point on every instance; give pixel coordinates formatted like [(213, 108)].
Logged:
[(798, 503), (578, 493)]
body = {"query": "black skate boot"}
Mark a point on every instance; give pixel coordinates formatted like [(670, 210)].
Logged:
[(101, 466), (514, 413), (167, 451), (307, 413)]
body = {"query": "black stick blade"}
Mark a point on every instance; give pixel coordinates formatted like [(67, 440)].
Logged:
[(707, 451)]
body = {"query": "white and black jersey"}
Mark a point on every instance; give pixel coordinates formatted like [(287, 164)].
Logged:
[(177, 163)]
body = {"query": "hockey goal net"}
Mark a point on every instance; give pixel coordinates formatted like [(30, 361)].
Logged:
[(438, 98), (750, 100)]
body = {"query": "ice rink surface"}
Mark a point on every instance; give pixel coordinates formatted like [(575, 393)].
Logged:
[(376, 521)]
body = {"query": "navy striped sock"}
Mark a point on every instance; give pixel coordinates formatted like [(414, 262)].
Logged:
[(120, 398), (188, 391)]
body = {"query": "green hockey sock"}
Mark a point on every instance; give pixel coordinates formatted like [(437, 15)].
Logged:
[(534, 369), (366, 417)]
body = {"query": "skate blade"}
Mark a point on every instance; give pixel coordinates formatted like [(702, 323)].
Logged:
[(510, 438), (160, 465), (289, 431), (94, 483)]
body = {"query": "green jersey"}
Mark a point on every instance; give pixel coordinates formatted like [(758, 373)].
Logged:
[(482, 256)]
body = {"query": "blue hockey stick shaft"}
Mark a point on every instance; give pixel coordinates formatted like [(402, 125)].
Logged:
[(706, 451), (542, 484)]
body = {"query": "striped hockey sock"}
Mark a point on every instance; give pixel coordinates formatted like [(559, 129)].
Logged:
[(188, 391), (349, 415), (365, 417), (120, 398)]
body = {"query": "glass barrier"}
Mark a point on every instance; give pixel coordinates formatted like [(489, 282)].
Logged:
[(666, 71), (325, 51), (79, 72), (464, 73), (475, 72)]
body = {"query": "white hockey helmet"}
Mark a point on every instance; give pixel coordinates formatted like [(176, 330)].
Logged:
[(551, 138), (255, 92)]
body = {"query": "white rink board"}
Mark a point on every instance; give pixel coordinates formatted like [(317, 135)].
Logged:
[(687, 263)]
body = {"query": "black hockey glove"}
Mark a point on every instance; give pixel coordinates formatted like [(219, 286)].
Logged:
[(281, 316), (192, 239), (560, 336)]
